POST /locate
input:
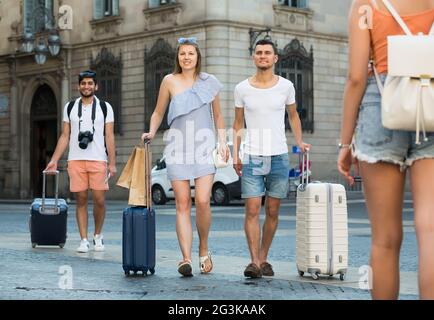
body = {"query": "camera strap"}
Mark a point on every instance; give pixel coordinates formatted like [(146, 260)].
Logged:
[(80, 112)]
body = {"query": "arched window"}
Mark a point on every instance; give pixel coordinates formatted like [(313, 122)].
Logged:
[(159, 62), (296, 65), (109, 76)]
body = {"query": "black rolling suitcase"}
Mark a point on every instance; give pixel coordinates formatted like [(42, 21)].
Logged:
[(138, 229), (48, 218)]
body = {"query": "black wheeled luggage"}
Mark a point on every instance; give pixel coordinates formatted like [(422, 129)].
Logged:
[(48, 218)]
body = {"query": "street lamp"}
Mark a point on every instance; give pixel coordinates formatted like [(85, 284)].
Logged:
[(41, 52), (41, 17), (28, 42), (54, 44), (254, 34), (41, 49)]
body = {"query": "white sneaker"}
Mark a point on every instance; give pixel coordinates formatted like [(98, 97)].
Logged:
[(98, 242), (84, 246)]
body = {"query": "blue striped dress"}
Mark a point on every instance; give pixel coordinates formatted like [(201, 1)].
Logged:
[(191, 137)]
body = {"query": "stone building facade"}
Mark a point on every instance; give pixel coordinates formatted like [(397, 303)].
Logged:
[(131, 44)]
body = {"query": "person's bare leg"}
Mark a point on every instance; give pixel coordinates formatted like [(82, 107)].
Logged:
[(98, 209), (252, 227), (422, 186), (272, 206), (184, 229), (202, 197), (384, 188), (81, 213)]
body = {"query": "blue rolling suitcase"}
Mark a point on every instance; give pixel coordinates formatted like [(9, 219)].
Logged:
[(48, 218), (138, 240), (138, 230)]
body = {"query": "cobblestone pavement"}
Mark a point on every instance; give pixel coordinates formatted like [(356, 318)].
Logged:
[(47, 273)]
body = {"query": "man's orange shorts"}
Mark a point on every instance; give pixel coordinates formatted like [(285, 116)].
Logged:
[(85, 175)]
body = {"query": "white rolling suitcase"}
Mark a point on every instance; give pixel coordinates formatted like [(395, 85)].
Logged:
[(321, 228)]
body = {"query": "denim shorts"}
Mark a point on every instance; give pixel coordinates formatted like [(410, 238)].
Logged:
[(265, 175), (374, 143)]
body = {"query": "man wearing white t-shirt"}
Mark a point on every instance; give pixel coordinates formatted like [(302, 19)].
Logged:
[(88, 125), (261, 101)]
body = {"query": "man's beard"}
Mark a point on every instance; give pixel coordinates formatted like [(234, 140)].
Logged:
[(265, 68), (86, 95)]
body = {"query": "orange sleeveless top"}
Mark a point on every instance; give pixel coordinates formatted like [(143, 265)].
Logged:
[(384, 25)]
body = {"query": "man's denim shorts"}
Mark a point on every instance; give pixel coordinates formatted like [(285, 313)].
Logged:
[(374, 143), (265, 175)]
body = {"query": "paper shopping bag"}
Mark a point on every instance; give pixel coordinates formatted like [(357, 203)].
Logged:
[(137, 195), (124, 180)]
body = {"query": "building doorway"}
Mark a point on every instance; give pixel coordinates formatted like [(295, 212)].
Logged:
[(43, 135)]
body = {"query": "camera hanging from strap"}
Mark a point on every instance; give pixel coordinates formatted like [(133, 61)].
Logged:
[(80, 111)]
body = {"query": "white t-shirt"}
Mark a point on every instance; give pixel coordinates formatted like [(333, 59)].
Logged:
[(264, 112), (96, 149)]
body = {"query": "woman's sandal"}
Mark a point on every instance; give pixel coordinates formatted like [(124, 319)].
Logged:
[(185, 268), (203, 263)]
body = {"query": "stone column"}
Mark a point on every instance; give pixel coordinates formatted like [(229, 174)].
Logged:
[(13, 107), (13, 162), (65, 93)]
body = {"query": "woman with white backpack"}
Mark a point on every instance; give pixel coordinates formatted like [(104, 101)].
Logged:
[(388, 127)]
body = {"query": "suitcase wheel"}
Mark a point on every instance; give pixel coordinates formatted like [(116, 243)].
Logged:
[(315, 276), (152, 270), (127, 273), (61, 245), (300, 273), (34, 244), (342, 276)]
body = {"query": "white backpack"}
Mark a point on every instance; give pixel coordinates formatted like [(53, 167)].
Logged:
[(408, 94)]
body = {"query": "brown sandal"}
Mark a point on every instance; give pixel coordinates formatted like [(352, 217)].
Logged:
[(185, 268), (267, 269), (253, 271)]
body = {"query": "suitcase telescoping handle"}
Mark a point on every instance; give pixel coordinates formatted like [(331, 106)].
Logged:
[(305, 169), (56, 190), (148, 178)]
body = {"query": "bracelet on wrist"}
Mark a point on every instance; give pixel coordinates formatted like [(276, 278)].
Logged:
[(344, 146)]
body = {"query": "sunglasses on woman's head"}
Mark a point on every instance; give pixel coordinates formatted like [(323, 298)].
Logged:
[(187, 40)]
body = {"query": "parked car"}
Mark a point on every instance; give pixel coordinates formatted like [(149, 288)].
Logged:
[(226, 185)]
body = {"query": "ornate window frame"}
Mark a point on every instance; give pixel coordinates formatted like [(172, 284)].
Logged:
[(109, 76), (294, 18), (296, 64), (158, 62), (163, 16), (106, 25)]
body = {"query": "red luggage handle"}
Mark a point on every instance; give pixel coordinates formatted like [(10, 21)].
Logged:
[(44, 174)]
